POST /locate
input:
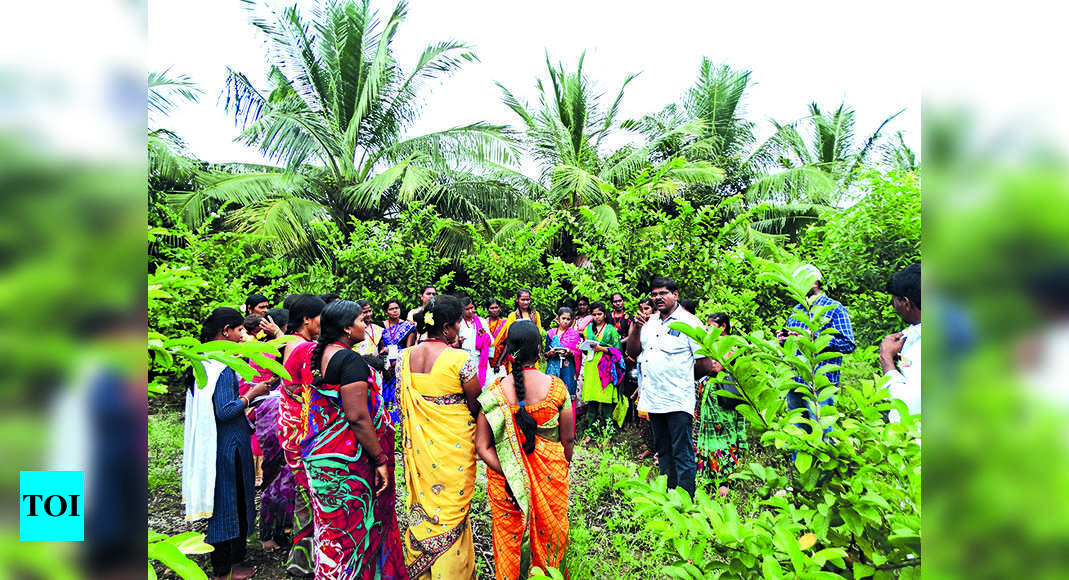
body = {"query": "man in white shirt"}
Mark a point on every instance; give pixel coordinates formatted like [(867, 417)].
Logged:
[(900, 353), (669, 363)]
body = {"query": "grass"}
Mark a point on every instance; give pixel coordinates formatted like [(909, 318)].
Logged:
[(165, 453)]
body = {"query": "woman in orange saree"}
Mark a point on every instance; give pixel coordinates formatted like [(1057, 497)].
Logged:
[(525, 434), (438, 390), (523, 311)]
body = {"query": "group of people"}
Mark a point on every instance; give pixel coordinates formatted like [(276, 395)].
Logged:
[(445, 387)]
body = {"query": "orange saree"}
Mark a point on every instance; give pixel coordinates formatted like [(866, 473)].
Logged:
[(539, 483)]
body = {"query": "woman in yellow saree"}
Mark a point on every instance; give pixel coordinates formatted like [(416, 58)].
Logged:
[(525, 434), (438, 393), (523, 311)]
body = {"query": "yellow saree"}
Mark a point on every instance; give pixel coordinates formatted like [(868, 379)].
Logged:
[(439, 460)]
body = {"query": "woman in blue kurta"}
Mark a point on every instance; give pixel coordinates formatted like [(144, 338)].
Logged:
[(230, 510)]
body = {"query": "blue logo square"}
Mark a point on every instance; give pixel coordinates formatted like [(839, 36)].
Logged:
[(51, 506)]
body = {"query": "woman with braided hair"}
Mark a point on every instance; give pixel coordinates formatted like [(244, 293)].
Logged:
[(525, 434), (438, 389), (348, 454)]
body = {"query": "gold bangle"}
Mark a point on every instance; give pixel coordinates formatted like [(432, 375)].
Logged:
[(245, 399)]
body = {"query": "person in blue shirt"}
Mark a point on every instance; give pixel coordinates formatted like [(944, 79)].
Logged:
[(842, 341)]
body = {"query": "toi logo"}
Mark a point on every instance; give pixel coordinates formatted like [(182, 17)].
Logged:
[(51, 506)]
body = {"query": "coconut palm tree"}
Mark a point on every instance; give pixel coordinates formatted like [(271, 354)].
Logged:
[(579, 181), (817, 160), (334, 121), (725, 138)]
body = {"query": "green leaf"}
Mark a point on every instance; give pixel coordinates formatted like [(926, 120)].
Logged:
[(803, 461), (191, 543), (862, 571), (770, 568), (169, 555)]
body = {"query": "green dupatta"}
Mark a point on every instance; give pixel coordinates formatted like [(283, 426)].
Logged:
[(499, 415)]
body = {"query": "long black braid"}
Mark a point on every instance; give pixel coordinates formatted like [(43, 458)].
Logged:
[(523, 342)]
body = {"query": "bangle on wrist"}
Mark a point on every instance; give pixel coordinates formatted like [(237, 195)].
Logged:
[(245, 400), (379, 459)]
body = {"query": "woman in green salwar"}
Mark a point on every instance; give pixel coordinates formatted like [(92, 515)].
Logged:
[(599, 386)]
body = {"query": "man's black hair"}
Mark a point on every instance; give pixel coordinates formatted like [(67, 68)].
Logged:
[(664, 282), (906, 284)]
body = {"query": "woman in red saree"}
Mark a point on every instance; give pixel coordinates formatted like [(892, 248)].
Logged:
[(304, 311), (348, 455), (525, 434)]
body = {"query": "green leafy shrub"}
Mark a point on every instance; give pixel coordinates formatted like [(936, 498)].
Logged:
[(851, 505)]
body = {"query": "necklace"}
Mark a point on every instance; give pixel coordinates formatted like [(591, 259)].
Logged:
[(435, 340), (529, 368)]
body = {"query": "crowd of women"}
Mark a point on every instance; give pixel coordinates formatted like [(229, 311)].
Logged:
[(445, 387)]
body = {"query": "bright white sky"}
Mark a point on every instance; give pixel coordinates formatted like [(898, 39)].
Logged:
[(799, 52)]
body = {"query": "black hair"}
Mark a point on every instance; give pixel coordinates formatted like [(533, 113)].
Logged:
[(254, 299), (579, 299), (907, 284), (328, 297), (615, 294), (335, 317), (689, 305), (493, 301), (516, 300), (288, 302), (363, 304), (564, 310), (386, 305), (428, 287), (220, 318), (280, 316), (464, 301), (444, 309), (252, 322), (664, 282), (646, 300), (599, 305), (303, 306), (722, 318), (523, 343)]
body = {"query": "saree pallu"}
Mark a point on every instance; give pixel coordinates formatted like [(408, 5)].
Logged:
[(394, 336), (497, 347), (538, 518), (603, 371), (356, 533), (293, 402), (502, 335), (439, 461)]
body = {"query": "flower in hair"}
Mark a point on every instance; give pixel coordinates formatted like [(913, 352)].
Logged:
[(428, 318)]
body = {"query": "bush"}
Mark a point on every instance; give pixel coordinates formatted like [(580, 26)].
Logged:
[(851, 505)]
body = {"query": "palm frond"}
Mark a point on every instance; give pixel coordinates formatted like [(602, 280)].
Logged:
[(169, 162), (216, 188), (805, 182), (166, 90), (861, 156), (573, 186), (478, 143), (282, 222)]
